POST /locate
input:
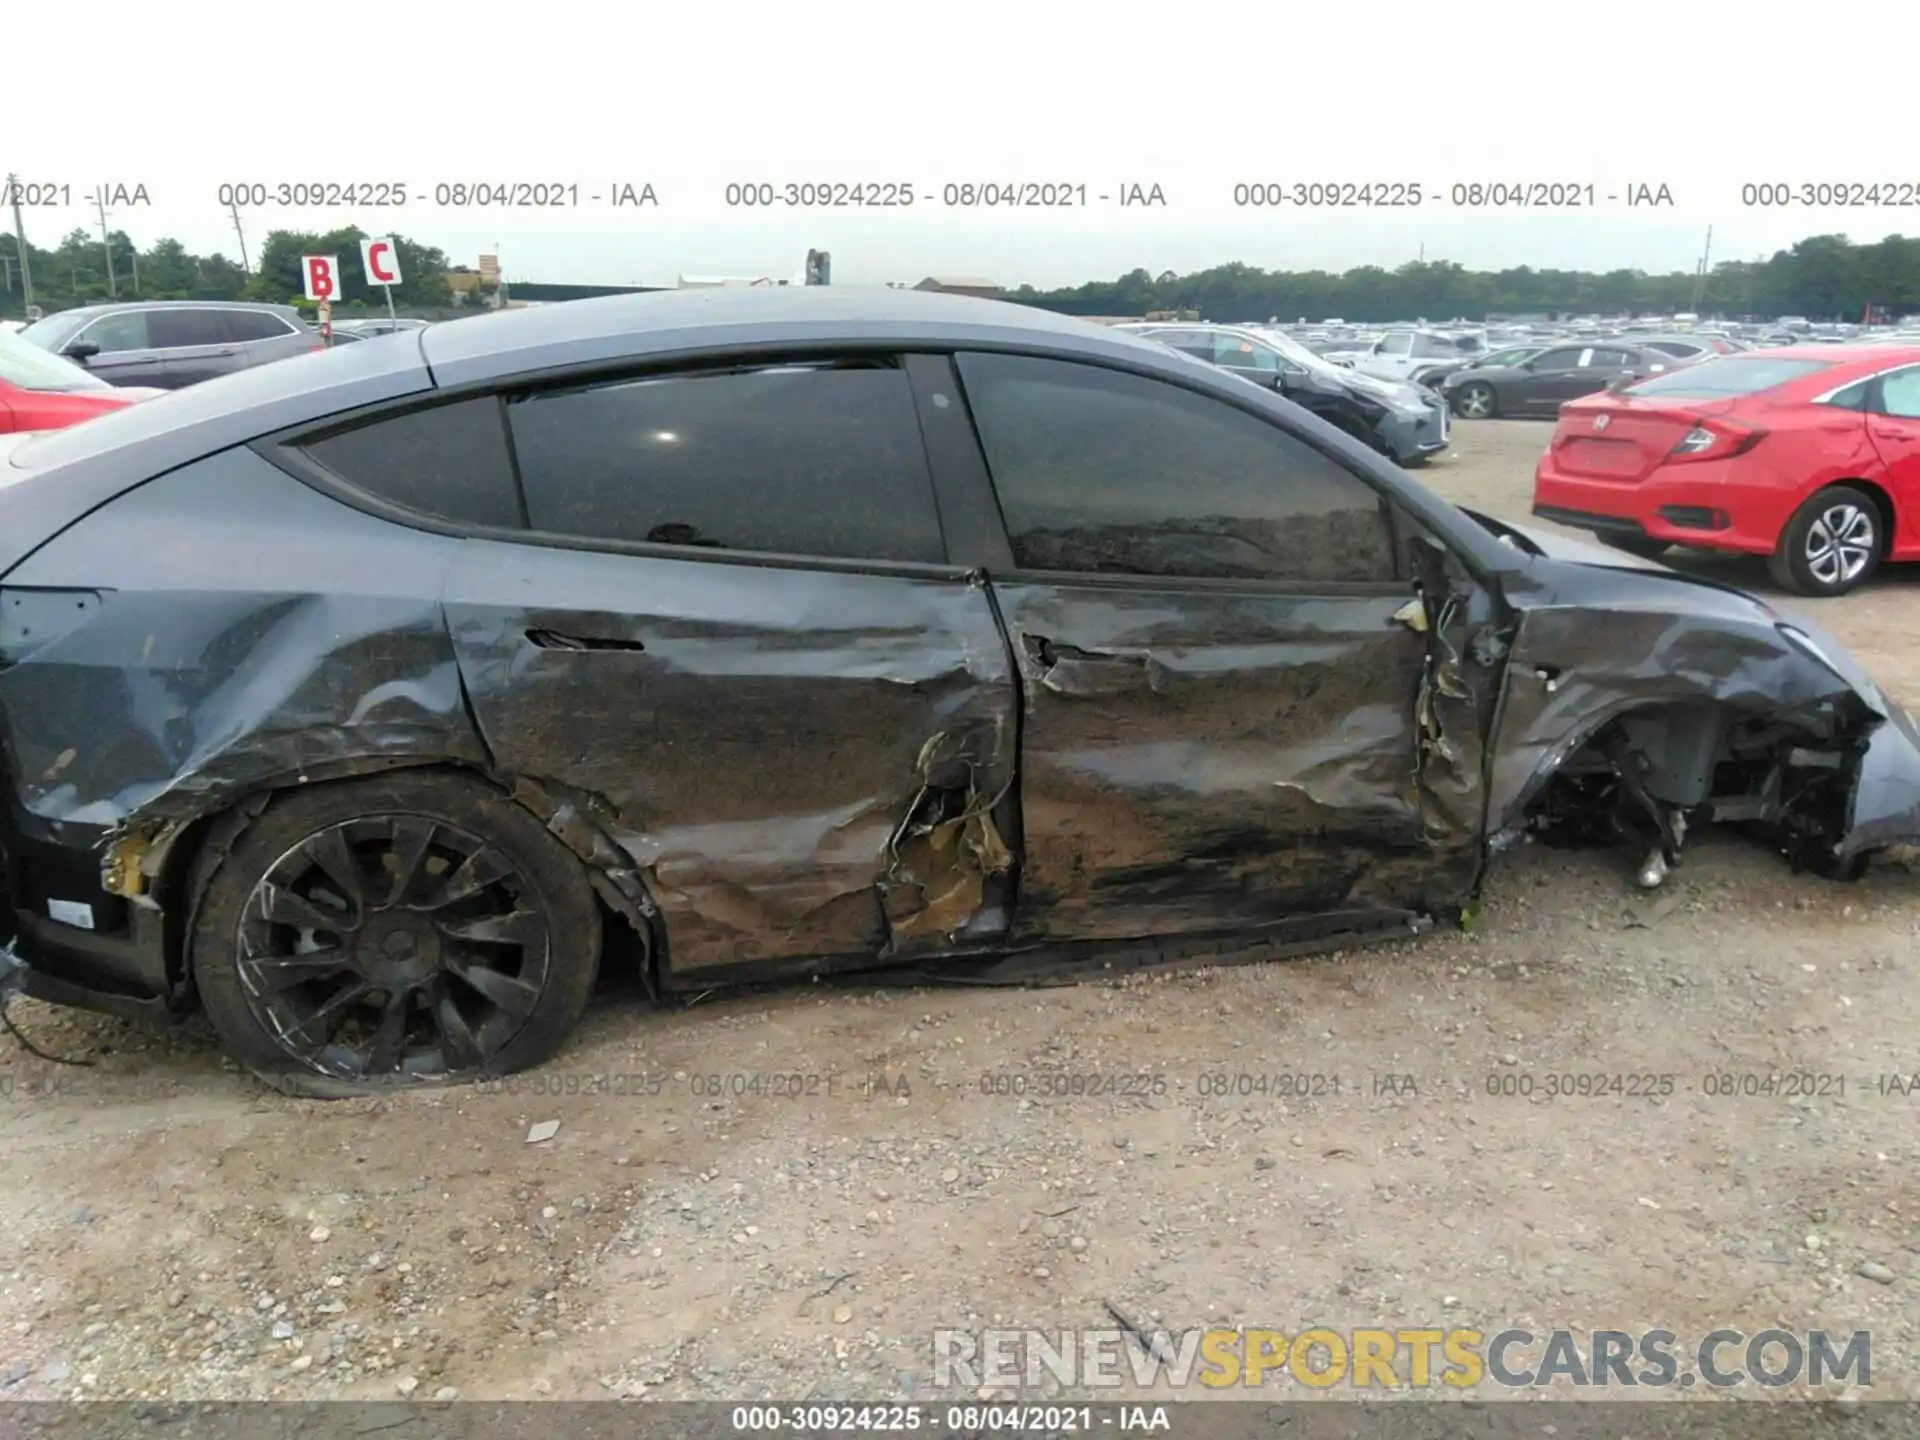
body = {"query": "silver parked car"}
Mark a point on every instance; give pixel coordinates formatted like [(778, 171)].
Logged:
[(169, 344)]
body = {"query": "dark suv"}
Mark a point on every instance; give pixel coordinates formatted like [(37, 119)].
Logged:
[(172, 343)]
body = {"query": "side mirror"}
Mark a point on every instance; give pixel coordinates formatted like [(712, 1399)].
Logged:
[(1288, 378), (81, 350)]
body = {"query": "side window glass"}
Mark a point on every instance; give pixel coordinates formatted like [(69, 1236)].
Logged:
[(244, 325), (1900, 393), (178, 329), (1104, 472), (1611, 359), (124, 330), (809, 459), (1401, 344), (449, 462), (1558, 360), (1237, 353)]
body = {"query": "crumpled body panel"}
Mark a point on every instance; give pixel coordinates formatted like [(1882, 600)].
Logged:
[(1601, 661), (221, 662), (1198, 761), (756, 733)]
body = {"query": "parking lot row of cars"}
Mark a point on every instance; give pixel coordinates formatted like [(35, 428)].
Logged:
[(78, 363), (1807, 454)]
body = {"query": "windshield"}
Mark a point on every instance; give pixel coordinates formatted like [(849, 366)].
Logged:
[(56, 330), (1297, 354), (1726, 377), (32, 368)]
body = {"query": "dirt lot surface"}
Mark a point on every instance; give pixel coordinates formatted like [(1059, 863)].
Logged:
[(698, 1228)]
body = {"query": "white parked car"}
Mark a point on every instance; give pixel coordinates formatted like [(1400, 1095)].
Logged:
[(1405, 355)]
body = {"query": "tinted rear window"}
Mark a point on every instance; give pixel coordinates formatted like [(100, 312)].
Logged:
[(243, 325), (450, 462), (1728, 376)]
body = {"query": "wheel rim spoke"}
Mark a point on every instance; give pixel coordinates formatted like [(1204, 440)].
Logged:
[(411, 841), (476, 873), (283, 907), (512, 995), (318, 1028), (462, 1046), (522, 928), (275, 973), (1840, 544), (388, 1048), (328, 850)]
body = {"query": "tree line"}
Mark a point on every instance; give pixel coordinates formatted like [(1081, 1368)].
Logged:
[(75, 272), (1824, 277)]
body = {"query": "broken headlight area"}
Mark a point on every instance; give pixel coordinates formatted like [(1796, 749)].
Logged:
[(1648, 780)]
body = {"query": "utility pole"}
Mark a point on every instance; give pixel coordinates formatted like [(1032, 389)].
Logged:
[(245, 264), (20, 241), (133, 254), (1700, 275), (106, 244)]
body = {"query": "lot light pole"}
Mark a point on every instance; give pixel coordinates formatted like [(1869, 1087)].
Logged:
[(20, 242), (106, 243)]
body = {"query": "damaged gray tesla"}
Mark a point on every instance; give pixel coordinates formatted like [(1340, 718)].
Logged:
[(377, 700)]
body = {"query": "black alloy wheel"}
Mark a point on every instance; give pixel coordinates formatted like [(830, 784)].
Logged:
[(371, 944)]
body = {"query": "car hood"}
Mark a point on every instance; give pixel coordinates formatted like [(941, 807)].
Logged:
[(1398, 392)]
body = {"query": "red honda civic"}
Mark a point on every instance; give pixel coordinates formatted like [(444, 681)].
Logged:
[(43, 391), (1809, 455)]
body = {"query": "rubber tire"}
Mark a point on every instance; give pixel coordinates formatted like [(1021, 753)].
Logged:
[(1645, 548), (556, 877), (1787, 565), (1493, 400)]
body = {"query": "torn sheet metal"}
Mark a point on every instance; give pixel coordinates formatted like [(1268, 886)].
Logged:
[(946, 851), (1197, 760), (1599, 640), (758, 734)]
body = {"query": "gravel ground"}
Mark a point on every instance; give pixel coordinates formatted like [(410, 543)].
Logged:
[(696, 1231)]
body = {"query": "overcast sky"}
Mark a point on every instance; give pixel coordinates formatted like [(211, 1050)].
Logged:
[(1194, 98)]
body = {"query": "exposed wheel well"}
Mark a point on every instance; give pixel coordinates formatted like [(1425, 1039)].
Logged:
[(1789, 776), (199, 846)]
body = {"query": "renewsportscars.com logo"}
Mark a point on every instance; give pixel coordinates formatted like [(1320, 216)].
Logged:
[(1414, 1358)]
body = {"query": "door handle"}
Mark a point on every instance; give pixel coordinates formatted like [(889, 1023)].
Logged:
[(560, 640), (1043, 651), (1070, 670)]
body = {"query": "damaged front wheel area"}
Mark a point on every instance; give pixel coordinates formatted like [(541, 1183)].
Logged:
[(414, 929), (1645, 780)]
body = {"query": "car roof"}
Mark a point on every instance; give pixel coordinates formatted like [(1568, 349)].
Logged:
[(107, 306), (660, 323), (1876, 356)]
